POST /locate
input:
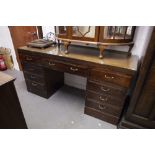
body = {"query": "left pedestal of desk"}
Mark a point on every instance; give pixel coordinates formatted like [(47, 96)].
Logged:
[(11, 115)]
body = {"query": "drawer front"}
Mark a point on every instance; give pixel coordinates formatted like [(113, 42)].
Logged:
[(35, 85), (104, 88), (36, 88), (112, 77), (29, 58), (100, 115), (116, 111), (34, 77), (77, 69), (105, 99), (66, 67), (34, 69)]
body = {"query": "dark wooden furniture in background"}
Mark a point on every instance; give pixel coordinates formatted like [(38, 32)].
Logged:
[(101, 36), (141, 110), (11, 115), (108, 80)]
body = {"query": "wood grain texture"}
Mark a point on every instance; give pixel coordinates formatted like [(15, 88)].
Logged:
[(4, 78), (114, 73), (107, 108), (104, 87), (89, 55), (109, 76), (11, 115), (101, 115)]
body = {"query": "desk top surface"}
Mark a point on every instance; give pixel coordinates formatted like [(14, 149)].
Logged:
[(5, 78), (116, 59)]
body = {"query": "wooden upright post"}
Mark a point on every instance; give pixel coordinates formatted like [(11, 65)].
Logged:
[(101, 48), (66, 44)]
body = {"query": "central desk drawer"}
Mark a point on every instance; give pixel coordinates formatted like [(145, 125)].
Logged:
[(66, 67)]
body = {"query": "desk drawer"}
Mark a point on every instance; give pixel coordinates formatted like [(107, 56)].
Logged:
[(29, 58), (105, 99), (34, 69), (34, 77), (116, 111), (35, 85), (100, 115), (66, 67), (77, 69), (104, 88), (111, 76), (36, 88)]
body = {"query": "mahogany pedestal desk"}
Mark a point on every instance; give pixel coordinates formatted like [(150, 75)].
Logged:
[(108, 80)]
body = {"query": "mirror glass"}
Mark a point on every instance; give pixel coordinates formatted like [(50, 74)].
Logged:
[(108, 32), (83, 31), (61, 30), (129, 32), (117, 32), (120, 32)]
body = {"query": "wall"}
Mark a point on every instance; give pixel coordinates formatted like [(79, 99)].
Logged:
[(141, 39), (47, 29), (6, 41)]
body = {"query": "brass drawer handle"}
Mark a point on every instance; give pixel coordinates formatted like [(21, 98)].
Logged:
[(34, 84), (28, 58), (108, 77), (51, 63), (105, 89), (74, 69), (103, 99), (101, 107)]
